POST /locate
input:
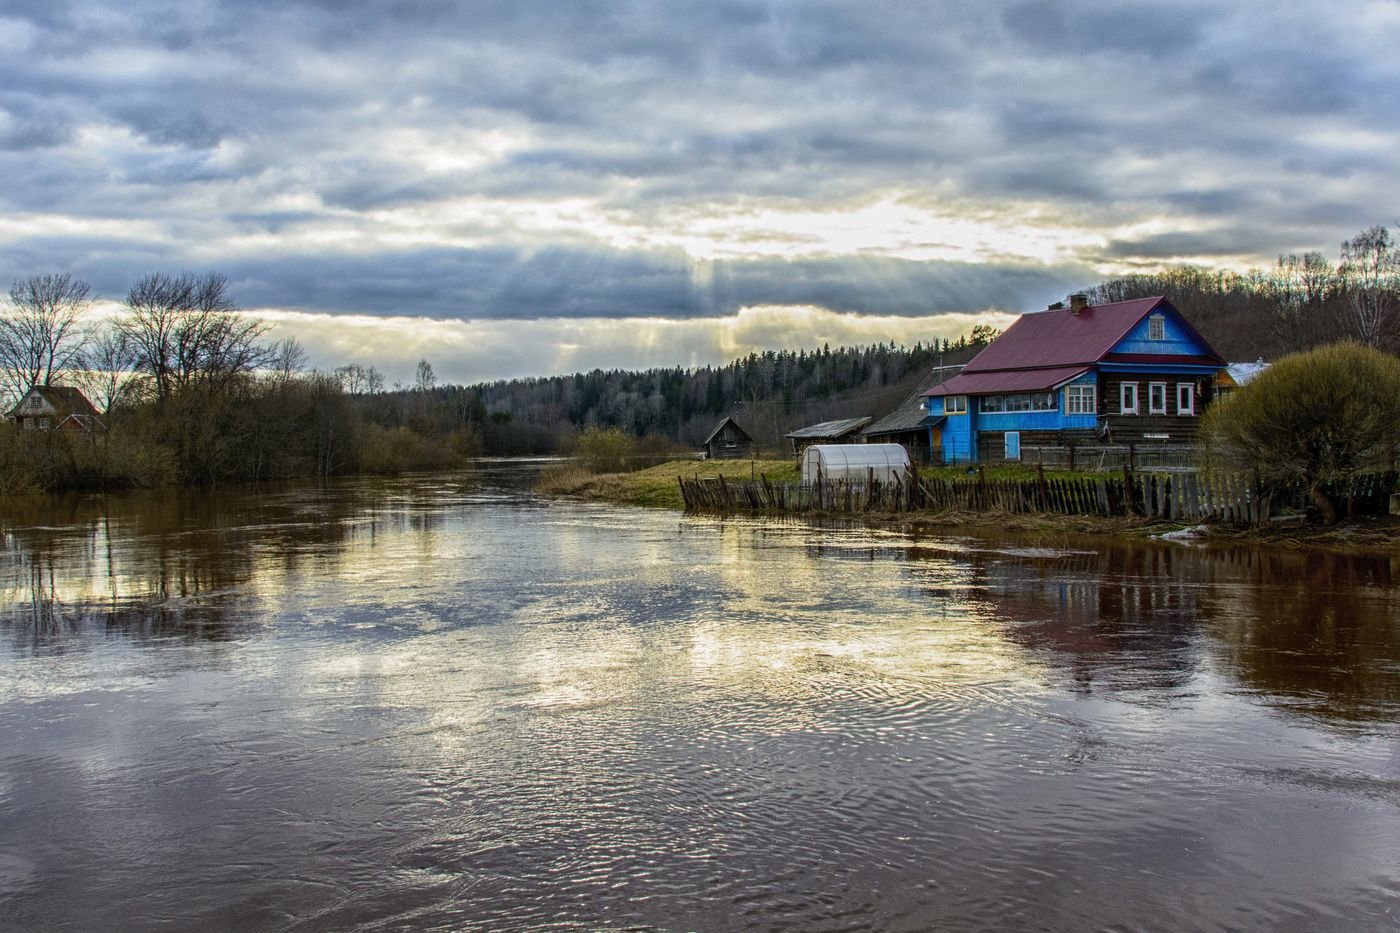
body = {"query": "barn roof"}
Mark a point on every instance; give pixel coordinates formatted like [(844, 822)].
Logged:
[(830, 428), (720, 427)]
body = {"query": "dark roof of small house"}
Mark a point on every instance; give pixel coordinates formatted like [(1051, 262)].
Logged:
[(898, 421), (911, 415), (64, 399), (1043, 349), (829, 429), (719, 427)]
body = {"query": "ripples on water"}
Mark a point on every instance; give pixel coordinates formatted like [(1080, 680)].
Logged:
[(444, 704)]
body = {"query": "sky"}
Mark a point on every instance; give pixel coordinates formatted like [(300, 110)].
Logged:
[(521, 189)]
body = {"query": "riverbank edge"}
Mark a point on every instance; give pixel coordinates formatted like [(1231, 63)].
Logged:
[(658, 487)]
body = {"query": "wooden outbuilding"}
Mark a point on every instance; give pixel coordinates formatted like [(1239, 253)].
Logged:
[(846, 431), (728, 441)]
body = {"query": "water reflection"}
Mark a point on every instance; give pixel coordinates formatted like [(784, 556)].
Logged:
[(445, 704)]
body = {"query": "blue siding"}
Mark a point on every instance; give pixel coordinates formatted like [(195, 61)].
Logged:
[(1178, 339), (957, 439)]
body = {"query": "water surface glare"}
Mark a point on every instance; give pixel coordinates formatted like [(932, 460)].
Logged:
[(443, 703)]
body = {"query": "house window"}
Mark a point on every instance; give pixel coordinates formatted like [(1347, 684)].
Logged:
[(1156, 328), (1127, 398), (1080, 399), (1034, 401), (1157, 398), (1185, 398), (955, 405)]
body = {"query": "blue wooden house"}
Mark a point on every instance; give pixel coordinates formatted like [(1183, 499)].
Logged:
[(1131, 372)]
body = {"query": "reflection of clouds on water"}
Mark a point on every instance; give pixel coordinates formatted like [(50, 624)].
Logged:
[(481, 710)]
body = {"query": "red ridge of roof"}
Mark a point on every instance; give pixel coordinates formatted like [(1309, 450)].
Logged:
[(1042, 339)]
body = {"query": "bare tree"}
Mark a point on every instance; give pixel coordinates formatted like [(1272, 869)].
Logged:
[(360, 380), (1371, 270), (426, 380), (43, 332), (286, 358), (185, 332), (107, 378)]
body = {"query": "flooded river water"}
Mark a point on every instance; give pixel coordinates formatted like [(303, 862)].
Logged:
[(444, 703)]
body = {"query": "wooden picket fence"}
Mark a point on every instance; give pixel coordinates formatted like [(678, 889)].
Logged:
[(1182, 497)]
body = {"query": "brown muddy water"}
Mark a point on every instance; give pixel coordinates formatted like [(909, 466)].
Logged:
[(444, 703)]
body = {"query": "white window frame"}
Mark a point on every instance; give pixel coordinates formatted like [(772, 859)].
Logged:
[(1124, 390), (1082, 392), (1156, 327), (955, 405), (1186, 392), (1152, 389)]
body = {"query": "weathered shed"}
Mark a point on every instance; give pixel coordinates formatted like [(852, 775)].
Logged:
[(846, 431), (854, 462), (728, 441)]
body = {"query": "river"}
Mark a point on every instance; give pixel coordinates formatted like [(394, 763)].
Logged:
[(444, 703)]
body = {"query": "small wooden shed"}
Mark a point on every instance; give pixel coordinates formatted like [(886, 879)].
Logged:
[(846, 431), (728, 441)]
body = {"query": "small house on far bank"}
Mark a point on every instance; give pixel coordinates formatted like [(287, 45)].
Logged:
[(60, 408), (846, 431), (1130, 372), (728, 441)]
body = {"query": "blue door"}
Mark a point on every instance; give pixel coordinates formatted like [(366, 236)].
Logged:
[(1013, 445)]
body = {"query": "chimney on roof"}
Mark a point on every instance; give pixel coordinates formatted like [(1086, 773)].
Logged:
[(1078, 302)]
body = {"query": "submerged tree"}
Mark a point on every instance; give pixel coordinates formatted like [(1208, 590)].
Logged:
[(1310, 420)]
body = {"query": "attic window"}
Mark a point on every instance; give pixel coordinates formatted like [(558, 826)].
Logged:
[(1156, 328)]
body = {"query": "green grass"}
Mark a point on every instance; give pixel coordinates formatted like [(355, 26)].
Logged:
[(658, 486)]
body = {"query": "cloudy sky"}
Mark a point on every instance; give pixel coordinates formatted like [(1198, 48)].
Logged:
[(515, 188)]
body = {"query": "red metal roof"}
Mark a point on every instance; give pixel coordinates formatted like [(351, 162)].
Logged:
[(1062, 338), (1014, 380), (1046, 348)]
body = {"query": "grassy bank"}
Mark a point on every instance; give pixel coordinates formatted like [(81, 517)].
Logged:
[(657, 486)]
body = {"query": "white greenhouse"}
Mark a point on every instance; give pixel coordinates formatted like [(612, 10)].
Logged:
[(854, 463)]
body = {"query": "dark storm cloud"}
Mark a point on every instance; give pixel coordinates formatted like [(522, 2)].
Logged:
[(493, 284), (284, 142)]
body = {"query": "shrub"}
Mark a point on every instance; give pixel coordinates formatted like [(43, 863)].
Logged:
[(1312, 419), (605, 450)]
